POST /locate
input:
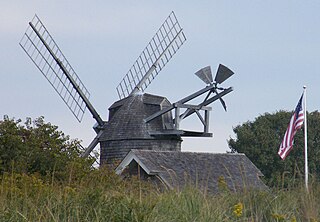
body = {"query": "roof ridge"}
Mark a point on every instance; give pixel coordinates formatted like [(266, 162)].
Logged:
[(173, 151)]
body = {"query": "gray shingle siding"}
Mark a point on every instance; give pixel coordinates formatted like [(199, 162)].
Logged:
[(116, 150), (126, 128)]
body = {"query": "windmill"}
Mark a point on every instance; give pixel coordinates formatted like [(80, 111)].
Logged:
[(138, 120)]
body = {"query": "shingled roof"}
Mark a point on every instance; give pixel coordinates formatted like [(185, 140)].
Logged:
[(207, 171), (127, 129), (126, 119)]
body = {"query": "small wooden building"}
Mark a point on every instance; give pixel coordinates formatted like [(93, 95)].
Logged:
[(209, 172)]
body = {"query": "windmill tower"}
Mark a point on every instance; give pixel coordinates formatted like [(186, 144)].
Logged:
[(138, 120)]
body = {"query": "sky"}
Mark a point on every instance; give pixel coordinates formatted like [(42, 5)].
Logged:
[(273, 47)]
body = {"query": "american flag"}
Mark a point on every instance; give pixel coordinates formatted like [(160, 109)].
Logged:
[(296, 123)]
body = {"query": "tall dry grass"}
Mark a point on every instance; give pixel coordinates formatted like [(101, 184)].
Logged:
[(103, 196)]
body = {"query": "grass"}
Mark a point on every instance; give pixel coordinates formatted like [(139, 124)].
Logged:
[(103, 196)]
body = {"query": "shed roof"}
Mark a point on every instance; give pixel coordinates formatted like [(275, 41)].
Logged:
[(205, 170)]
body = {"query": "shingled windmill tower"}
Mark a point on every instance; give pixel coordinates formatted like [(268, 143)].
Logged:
[(138, 120)]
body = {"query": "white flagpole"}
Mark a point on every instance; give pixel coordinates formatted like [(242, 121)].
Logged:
[(306, 171)]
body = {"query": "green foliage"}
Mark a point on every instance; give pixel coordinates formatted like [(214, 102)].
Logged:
[(260, 140), (38, 147)]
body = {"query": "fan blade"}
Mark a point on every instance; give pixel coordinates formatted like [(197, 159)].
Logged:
[(223, 74), (223, 103), (205, 75)]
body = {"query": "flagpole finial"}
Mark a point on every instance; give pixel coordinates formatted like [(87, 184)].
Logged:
[(304, 87)]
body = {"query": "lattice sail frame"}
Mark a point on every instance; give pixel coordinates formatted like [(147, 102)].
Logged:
[(45, 60), (164, 44)]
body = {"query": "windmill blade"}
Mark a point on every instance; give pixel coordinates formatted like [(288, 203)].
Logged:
[(221, 100), (223, 104), (84, 150), (92, 145), (164, 44), (205, 75), (223, 74), (47, 56)]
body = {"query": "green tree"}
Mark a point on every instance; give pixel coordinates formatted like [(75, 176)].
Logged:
[(260, 140), (38, 147)]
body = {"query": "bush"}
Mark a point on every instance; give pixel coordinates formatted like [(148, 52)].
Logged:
[(38, 147)]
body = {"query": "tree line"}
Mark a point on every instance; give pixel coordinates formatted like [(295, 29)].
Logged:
[(38, 147)]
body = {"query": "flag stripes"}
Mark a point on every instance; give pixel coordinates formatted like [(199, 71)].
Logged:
[(295, 124)]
